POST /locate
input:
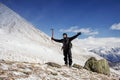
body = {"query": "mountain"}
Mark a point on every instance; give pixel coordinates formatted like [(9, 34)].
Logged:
[(108, 48), (112, 54), (21, 41)]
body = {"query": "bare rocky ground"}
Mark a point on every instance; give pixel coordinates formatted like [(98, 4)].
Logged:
[(12, 70)]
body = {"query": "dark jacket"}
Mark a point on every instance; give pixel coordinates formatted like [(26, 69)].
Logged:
[(66, 41)]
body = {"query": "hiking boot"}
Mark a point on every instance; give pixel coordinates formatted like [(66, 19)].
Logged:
[(70, 66), (65, 65)]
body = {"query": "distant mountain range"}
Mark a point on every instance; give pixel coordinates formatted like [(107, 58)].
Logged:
[(111, 54)]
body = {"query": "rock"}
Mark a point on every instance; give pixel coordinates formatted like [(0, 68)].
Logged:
[(103, 67), (53, 64), (2, 61), (77, 66), (20, 65), (41, 71), (99, 66), (27, 73), (89, 65), (1, 79), (53, 73), (65, 74), (1, 72)]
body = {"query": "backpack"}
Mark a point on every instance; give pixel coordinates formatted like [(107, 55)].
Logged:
[(67, 43), (70, 45)]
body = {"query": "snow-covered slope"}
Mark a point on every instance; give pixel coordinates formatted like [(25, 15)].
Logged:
[(21, 41), (112, 54)]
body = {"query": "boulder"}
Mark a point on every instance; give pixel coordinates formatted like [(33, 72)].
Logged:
[(77, 66), (89, 65), (99, 66), (52, 64)]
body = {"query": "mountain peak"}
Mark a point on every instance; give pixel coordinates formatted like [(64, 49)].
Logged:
[(11, 19), (13, 24)]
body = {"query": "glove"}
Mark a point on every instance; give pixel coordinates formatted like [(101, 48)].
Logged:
[(79, 33), (52, 38)]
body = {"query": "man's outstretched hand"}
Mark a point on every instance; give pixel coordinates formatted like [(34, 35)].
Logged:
[(52, 38), (79, 33)]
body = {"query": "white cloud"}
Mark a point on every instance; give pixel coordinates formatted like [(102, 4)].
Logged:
[(75, 29), (115, 26)]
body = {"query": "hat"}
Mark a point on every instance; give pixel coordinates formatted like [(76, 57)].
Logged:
[(64, 34)]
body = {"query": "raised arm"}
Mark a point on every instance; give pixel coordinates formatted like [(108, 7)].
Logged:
[(57, 40), (75, 36)]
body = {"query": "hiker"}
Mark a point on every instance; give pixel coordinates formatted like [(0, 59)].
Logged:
[(67, 45)]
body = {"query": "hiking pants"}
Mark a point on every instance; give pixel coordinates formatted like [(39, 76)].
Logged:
[(67, 56)]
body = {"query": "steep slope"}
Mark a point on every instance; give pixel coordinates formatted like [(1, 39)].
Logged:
[(11, 23), (21, 41)]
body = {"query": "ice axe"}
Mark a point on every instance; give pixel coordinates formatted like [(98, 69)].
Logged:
[(52, 32)]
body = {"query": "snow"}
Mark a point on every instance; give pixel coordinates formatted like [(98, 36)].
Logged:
[(21, 41), (4, 67), (32, 77)]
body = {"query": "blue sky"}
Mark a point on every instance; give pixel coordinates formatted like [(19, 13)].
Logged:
[(98, 18)]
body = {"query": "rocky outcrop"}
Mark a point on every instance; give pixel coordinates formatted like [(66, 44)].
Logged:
[(77, 66), (13, 70), (99, 66), (53, 64)]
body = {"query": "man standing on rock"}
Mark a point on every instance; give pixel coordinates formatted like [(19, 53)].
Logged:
[(67, 45)]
